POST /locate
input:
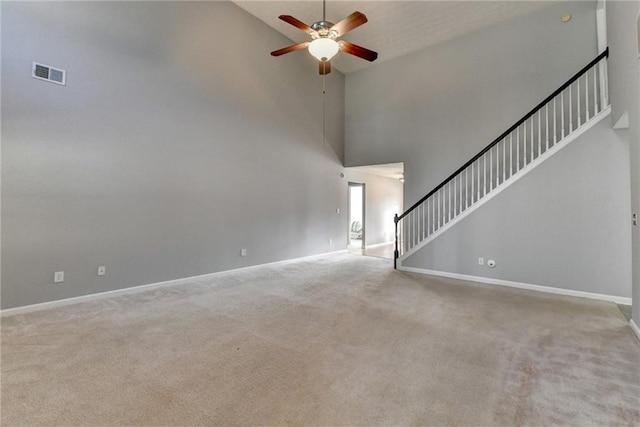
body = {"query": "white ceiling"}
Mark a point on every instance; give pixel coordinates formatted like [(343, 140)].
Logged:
[(388, 170), (395, 27)]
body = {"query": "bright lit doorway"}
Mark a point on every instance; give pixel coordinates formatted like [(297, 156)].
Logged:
[(375, 195), (356, 234)]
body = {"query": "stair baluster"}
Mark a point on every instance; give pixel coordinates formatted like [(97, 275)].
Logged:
[(486, 172)]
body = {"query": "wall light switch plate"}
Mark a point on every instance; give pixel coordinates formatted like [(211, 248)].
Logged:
[(243, 252), (58, 277), (480, 261)]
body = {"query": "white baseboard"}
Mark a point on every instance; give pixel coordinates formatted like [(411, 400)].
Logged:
[(635, 328), (519, 285), (141, 288)]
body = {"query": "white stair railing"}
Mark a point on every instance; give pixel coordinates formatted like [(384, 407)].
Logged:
[(561, 114)]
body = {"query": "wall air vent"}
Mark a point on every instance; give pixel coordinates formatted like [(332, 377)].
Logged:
[(47, 73)]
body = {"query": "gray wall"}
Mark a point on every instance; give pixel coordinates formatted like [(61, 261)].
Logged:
[(383, 199), (177, 141), (624, 89), (561, 225), (435, 109)]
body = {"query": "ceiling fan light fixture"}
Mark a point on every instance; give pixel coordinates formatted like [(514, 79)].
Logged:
[(324, 46), (323, 49)]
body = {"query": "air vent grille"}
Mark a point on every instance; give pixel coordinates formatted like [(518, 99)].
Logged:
[(47, 73)]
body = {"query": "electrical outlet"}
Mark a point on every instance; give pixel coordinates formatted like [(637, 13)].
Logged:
[(102, 270), (480, 261), (243, 252), (58, 277)]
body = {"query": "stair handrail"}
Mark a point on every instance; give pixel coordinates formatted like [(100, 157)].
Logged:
[(604, 54), (584, 70)]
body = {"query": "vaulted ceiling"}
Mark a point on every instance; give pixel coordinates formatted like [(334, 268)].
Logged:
[(395, 27)]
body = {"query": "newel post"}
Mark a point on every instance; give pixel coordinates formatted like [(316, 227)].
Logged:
[(395, 253)]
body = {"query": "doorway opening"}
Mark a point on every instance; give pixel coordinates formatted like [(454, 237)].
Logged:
[(375, 195), (356, 234)]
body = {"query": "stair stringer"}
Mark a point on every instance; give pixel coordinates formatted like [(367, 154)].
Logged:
[(556, 148)]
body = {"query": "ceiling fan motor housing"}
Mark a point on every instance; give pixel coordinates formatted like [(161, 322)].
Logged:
[(322, 28)]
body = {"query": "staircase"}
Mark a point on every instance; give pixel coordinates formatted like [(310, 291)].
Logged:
[(564, 115)]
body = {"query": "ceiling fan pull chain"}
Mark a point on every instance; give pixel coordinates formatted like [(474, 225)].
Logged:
[(324, 110)]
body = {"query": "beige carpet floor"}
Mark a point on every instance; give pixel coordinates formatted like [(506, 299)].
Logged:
[(339, 339)]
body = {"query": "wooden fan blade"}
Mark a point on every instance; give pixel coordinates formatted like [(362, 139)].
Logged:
[(349, 23), (325, 67), (358, 51), (297, 23), (289, 49)]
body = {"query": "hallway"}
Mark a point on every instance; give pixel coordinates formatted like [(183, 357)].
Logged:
[(378, 251)]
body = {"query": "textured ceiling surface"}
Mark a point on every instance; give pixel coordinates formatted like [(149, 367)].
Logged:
[(395, 27)]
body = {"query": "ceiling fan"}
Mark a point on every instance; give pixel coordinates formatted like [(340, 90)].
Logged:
[(324, 44)]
